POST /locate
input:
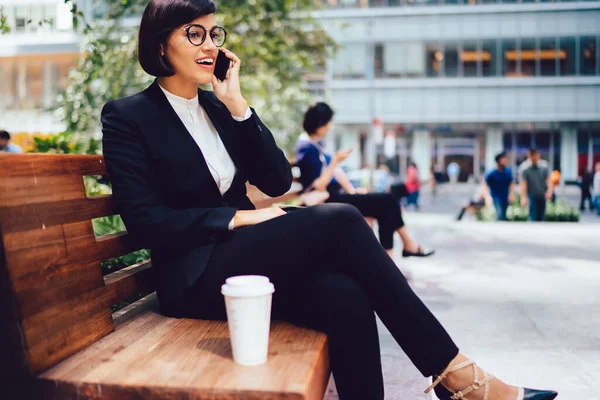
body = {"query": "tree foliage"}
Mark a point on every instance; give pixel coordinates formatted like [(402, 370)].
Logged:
[(277, 41)]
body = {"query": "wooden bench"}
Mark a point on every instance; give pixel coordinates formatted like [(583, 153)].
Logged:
[(59, 339)]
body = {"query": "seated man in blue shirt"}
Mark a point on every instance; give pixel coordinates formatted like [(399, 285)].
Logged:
[(5, 144), (500, 182)]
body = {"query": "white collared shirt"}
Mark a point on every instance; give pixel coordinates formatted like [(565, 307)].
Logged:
[(207, 138)]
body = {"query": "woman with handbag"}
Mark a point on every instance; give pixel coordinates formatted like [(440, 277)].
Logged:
[(179, 159), (321, 172)]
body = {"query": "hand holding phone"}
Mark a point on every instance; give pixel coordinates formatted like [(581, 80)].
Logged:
[(341, 155)]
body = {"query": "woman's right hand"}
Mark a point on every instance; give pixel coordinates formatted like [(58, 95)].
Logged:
[(341, 155), (253, 217)]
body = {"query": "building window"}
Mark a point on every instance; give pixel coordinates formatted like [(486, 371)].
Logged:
[(379, 63), (402, 60), (489, 58), (471, 58), (435, 59), (451, 59), (588, 56), (511, 57), (547, 56), (351, 62), (566, 56), (528, 57)]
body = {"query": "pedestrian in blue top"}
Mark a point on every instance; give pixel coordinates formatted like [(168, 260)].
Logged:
[(500, 182), (6, 146)]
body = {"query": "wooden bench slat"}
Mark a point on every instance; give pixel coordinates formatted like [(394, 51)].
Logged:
[(18, 218), (127, 282), (41, 164)]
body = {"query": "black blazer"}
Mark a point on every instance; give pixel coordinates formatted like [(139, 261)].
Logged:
[(164, 190)]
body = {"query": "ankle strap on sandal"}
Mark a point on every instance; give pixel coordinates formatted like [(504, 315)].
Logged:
[(474, 386), (450, 368)]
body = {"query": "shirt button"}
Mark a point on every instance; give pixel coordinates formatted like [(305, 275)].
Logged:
[(225, 204)]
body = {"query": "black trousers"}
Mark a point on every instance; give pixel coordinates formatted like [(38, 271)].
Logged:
[(330, 274), (382, 206), (586, 195)]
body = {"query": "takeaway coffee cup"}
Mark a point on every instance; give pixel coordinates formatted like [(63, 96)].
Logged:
[(248, 304)]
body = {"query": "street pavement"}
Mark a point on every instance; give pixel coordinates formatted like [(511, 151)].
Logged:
[(522, 299)]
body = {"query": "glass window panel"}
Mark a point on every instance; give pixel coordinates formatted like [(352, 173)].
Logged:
[(377, 3), (470, 57), (351, 62), (588, 58), (414, 59), (489, 54), (547, 57), (452, 51), (566, 56), (379, 63), (435, 59), (510, 57), (528, 56)]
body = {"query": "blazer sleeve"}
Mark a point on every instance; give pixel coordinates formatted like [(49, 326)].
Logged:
[(264, 163), (138, 199)]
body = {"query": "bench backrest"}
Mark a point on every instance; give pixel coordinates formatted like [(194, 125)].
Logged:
[(55, 300)]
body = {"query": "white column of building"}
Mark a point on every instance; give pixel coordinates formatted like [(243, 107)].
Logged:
[(568, 153), (421, 152), (47, 76), (493, 145)]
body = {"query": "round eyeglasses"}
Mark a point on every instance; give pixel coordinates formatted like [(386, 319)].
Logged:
[(196, 34)]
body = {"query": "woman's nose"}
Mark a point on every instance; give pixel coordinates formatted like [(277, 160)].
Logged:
[(208, 45)]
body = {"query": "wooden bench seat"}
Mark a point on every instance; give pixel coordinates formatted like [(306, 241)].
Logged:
[(58, 337), (152, 356)]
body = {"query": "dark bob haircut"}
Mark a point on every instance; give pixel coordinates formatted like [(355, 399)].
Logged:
[(316, 116), (160, 18)]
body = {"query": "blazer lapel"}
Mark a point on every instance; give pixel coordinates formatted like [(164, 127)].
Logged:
[(175, 127)]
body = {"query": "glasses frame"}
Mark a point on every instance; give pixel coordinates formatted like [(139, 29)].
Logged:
[(187, 31)]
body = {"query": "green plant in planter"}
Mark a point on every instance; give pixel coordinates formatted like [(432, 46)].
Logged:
[(555, 212), (94, 186)]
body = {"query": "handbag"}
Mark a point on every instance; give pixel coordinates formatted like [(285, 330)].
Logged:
[(311, 197)]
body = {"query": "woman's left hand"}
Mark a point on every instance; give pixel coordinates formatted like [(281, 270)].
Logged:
[(228, 91)]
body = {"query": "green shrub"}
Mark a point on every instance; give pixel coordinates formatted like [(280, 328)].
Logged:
[(555, 212)]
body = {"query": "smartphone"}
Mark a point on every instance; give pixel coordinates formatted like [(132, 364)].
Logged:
[(221, 66)]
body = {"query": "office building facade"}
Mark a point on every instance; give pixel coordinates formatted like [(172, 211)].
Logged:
[(35, 59), (453, 81)]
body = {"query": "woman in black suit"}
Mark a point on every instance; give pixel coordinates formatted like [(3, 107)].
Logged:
[(179, 159)]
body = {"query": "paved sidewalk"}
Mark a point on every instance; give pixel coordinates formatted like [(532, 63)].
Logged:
[(522, 299)]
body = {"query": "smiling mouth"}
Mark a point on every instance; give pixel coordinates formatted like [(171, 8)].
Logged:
[(205, 61)]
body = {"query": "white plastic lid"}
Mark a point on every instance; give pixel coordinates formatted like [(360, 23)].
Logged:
[(247, 286)]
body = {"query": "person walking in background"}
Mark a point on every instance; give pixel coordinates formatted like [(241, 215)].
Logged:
[(480, 199), (432, 182), (501, 186), (453, 170), (586, 194), (536, 187), (6, 146), (412, 185), (555, 177), (527, 163), (596, 188)]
